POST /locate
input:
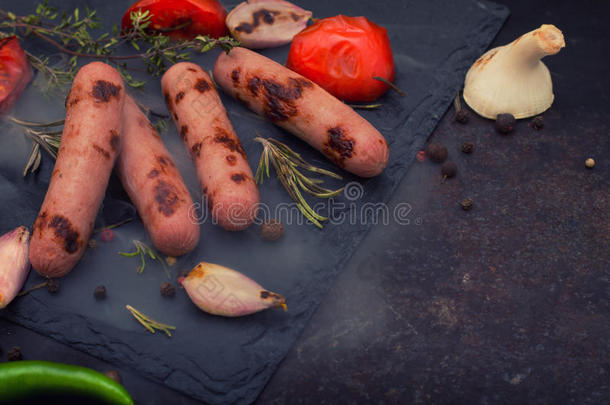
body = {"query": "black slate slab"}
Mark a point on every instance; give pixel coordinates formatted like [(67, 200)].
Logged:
[(229, 360)]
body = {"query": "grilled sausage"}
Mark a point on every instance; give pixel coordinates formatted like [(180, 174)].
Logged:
[(222, 166), (155, 185), (303, 108), (89, 147)]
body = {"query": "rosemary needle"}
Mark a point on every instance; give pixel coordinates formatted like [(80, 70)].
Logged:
[(286, 164), (148, 323)]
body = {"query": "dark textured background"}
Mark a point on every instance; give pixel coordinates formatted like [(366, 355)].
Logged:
[(221, 360), (507, 302)]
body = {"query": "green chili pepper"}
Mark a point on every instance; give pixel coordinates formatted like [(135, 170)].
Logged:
[(22, 379)]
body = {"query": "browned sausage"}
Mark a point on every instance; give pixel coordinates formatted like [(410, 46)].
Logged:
[(155, 185), (222, 167), (300, 106), (89, 146)]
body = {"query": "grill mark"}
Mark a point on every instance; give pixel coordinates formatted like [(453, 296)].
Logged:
[(65, 232), (103, 91)]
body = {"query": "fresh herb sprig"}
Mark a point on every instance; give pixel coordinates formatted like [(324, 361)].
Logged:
[(150, 324), (43, 137), (287, 163), (73, 34), (142, 250)]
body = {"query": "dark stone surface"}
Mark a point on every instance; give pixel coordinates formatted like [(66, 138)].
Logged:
[(507, 302)]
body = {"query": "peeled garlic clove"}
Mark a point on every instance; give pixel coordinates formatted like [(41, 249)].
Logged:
[(219, 290), (512, 78), (266, 23), (14, 263)]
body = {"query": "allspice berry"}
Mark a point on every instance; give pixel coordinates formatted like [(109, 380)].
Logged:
[(100, 292), (505, 123), (449, 170), (168, 289), (437, 152), (53, 285), (14, 354), (462, 116), (272, 230), (467, 147), (590, 163)]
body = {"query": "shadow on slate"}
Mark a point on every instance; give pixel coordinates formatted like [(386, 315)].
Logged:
[(215, 359)]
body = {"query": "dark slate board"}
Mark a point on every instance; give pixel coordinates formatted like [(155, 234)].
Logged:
[(222, 360)]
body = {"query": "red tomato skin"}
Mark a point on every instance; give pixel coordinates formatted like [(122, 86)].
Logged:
[(342, 54), (15, 72), (207, 16)]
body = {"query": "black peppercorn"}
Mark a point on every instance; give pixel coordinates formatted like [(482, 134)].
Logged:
[(466, 204), (437, 152), (505, 123), (114, 375), (14, 354), (467, 147), (53, 285), (167, 289), (448, 169), (538, 122), (100, 292), (272, 230), (462, 116)]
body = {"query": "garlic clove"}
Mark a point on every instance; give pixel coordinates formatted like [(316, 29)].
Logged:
[(266, 23), (14, 263), (512, 78), (219, 290)]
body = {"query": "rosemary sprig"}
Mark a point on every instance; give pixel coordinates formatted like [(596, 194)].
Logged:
[(73, 35), (46, 138), (287, 163), (143, 250), (150, 324)]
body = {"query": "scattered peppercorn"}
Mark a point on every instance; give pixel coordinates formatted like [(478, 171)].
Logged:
[(462, 116), (538, 122), (272, 230), (114, 375), (14, 354), (92, 243), (590, 163), (106, 235), (437, 152), (467, 147), (466, 204), (100, 292), (449, 170), (167, 289), (505, 123), (53, 285)]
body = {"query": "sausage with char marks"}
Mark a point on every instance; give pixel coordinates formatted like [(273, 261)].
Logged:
[(300, 106), (222, 166), (89, 147), (155, 186)]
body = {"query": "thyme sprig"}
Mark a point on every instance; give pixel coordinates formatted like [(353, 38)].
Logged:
[(287, 163), (149, 323), (74, 34)]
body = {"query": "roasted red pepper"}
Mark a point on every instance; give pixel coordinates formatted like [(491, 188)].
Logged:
[(15, 72), (182, 19)]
